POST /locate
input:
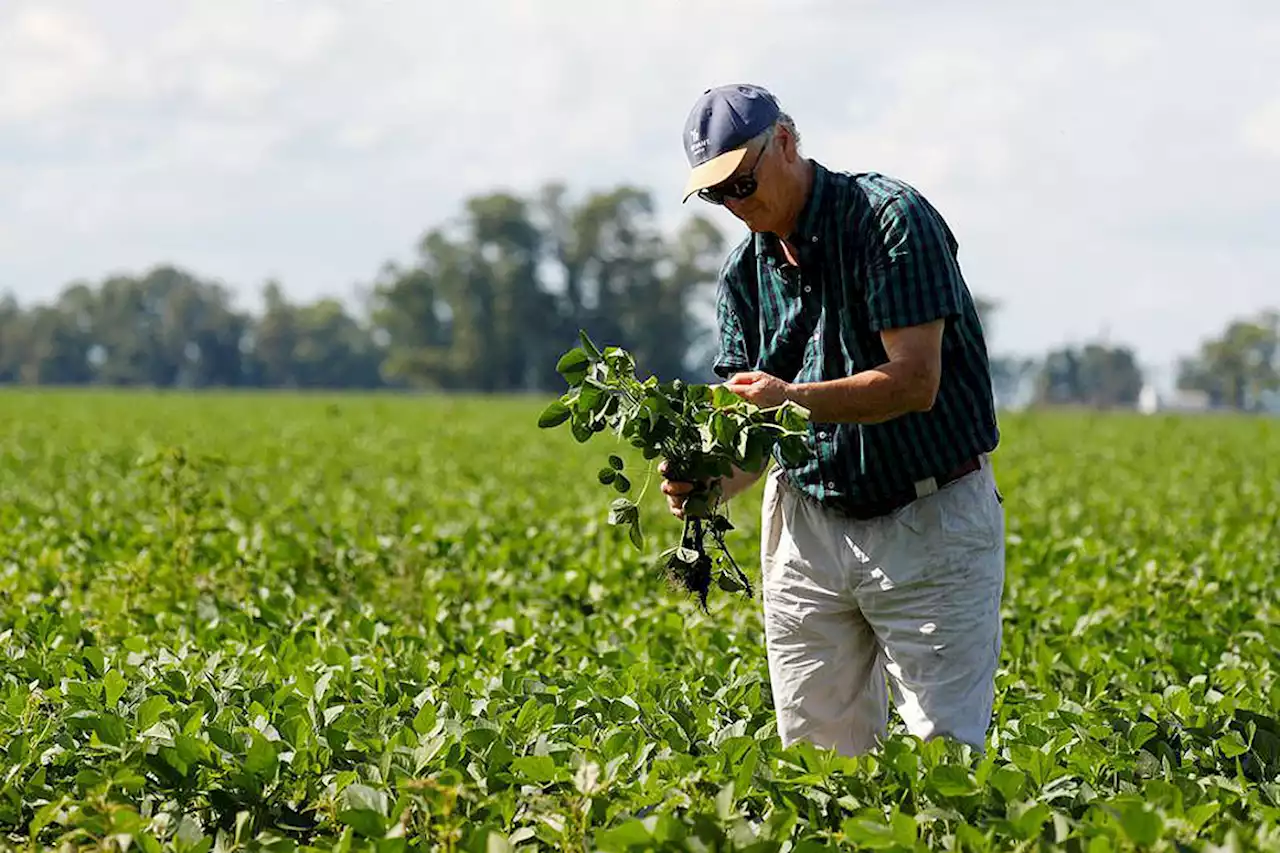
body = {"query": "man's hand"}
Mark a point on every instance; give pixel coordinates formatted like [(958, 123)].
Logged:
[(677, 491), (760, 388)]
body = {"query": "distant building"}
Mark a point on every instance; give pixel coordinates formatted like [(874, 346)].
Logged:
[(1151, 401), (1148, 400)]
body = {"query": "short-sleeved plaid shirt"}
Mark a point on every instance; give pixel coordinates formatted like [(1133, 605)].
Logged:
[(873, 254)]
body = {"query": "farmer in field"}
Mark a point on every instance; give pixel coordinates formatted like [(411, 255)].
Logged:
[(882, 557)]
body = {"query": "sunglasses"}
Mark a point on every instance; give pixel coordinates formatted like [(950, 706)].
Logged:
[(737, 187)]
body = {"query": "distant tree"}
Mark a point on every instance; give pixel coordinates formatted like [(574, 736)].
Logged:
[(1092, 375), (696, 255), (1237, 367), (1111, 376), (492, 299), (625, 281), (13, 327), (165, 329), (471, 314), (273, 339), (310, 345), (53, 349), (515, 316), (411, 320)]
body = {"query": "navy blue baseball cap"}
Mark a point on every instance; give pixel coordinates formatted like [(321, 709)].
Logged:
[(723, 120)]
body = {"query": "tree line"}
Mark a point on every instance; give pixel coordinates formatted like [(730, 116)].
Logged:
[(490, 300)]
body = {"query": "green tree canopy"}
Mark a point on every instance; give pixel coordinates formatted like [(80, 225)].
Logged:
[(1092, 375), (1236, 368)]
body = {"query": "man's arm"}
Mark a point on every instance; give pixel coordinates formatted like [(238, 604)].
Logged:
[(907, 382), (739, 482)]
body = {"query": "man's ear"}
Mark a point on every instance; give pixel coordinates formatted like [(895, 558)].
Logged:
[(788, 142)]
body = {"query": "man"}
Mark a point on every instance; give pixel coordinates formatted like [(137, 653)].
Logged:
[(883, 556)]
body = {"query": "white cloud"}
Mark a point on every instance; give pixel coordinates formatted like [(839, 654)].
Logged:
[(51, 60), (1088, 156), (1124, 48), (1260, 131)]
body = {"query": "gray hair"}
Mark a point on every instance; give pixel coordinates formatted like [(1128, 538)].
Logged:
[(789, 123), (765, 136)]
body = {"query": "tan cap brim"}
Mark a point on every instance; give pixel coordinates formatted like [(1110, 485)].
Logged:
[(713, 171)]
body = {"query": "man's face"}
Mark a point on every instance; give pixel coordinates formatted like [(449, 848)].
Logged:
[(761, 210)]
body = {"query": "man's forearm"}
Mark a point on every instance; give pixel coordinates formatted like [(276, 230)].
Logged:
[(738, 482), (871, 396)]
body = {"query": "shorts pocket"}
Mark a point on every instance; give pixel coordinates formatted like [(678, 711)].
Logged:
[(968, 513)]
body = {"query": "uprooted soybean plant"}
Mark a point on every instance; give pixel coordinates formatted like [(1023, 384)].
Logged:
[(704, 433)]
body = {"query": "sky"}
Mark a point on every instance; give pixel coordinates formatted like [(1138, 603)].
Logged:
[(1112, 171)]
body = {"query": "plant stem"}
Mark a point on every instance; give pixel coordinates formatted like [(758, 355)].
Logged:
[(645, 488)]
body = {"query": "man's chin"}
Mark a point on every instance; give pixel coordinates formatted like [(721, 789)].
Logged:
[(756, 221)]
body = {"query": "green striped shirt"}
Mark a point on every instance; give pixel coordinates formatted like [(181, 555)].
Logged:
[(873, 254)]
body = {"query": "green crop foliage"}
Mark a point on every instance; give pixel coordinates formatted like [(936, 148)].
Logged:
[(702, 433), (274, 622)]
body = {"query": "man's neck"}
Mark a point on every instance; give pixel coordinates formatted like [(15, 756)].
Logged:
[(804, 186)]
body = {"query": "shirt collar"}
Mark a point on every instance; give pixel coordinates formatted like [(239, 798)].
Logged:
[(810, 220), (808, 224)]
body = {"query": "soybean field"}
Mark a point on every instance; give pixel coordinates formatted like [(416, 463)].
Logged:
[(337, 622)]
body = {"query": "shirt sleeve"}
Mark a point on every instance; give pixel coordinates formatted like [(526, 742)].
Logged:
[(732, 355), (914, 276)]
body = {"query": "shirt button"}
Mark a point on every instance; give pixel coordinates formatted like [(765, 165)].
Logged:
[(807, 288), (822, 435), (815, 238), (831, 486)]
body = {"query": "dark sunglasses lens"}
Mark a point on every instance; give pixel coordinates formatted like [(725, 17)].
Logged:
[(737, 189), (743, 187)]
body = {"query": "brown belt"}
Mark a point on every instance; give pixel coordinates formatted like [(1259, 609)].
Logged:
[(865, 511)]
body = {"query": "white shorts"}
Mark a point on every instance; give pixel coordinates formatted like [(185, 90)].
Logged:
[(911, 599)]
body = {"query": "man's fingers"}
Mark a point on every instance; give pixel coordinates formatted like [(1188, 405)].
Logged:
[(675, 487)]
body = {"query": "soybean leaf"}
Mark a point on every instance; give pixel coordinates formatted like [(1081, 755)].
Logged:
[(573, 366), (535, 768), (592, 352), (364, 809), (113, 686), (554, 415)]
